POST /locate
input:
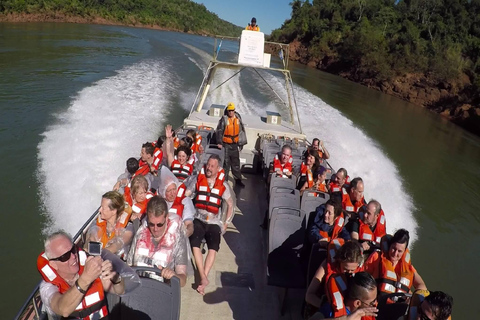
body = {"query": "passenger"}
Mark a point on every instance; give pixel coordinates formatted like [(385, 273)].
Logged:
[(339, 180), (352, 297), (435, 305), (147, 159), (124, 179), (353, 200), (210, 190), (138, 197), (231, 136), (392, 268), (157, 154), (160, 242), (328, 224), (318, 146), (318, 181), (173, 192), (282, 164), (197, 141), (73, 284), (309, 165), (180, 165), (252, 26), (341, 258), (112, 222), (367, 230)]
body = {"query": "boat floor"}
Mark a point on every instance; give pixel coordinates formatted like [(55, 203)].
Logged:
[(238, 284)]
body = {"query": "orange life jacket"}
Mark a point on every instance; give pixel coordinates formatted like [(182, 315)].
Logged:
[(181, 171), (334, 187), (251, 28), (287, 167), (366, 234), (102, 224), (381, 220), (336, 288), (392, 279), (232, 130), (139, 207), (142, 170), (197, 144), (157, 158), (177, 206), (93, 305), (337, 228), (206, 198), (347, 202), (306, 172)]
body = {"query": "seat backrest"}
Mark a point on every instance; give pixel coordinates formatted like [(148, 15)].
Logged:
[(213, 149), (284, 200), (281, 227), (282, 182), (154, 299), (309, 203), (317, 255), (288, 210)]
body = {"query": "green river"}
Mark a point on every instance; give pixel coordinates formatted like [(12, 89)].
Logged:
[(77, 100)]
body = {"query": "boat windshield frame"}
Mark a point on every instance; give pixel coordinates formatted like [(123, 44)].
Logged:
[(216, 63)]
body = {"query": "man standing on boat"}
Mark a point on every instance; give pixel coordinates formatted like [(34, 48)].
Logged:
[(210, 191), (231, 136), (252, 26), (74, 285)]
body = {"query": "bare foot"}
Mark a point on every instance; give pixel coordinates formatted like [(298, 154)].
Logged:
[(201, 287)]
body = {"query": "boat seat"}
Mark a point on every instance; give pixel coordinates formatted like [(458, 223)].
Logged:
[(297, 162), (212, 149), (281, 182), (285, 200), (317, 255), (309, 203), (286, 235), (154, 299), (288, 210)]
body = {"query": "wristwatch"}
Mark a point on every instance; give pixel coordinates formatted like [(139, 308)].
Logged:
[(119, 279), (79, 288)]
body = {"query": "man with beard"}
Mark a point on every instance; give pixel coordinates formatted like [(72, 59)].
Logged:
[(210, 190)]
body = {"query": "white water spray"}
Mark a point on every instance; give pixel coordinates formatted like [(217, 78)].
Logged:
[(350, 148), (84, 152)]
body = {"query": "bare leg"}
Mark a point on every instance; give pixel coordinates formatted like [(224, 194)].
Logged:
[(198, 256), (209, 261)]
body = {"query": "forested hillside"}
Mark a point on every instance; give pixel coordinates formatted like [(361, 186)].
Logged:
[(424, 51), (181, 15)]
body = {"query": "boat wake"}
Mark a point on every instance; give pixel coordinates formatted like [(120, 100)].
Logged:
[(82, 154)]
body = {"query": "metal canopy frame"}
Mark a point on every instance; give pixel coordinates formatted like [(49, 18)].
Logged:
[(215, 64)]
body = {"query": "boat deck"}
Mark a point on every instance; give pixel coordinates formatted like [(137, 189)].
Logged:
[(238, 284)]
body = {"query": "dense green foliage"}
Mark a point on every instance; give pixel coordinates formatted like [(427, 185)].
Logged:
[(381, 39), (182, 15)]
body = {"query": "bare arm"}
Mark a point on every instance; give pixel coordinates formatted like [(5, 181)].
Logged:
[(229, 213), (354, 235), (326, 155), (109, 276), (311, 296), (64, 304), (168, 143), (303, 188), (358, 314), (188, 228), (418, 282)]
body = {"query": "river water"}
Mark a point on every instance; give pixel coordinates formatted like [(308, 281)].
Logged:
[(77, 100)]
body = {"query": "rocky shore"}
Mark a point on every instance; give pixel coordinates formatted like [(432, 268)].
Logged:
[(454, 101)]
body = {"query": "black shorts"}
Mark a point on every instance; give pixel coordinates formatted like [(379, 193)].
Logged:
[(210, 232)]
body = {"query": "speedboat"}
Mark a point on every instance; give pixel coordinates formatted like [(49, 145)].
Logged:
[(258, 273)]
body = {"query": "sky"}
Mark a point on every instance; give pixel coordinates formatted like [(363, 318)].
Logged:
[(270, 14)]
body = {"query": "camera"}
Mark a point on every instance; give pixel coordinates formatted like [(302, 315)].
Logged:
[(95, 248)]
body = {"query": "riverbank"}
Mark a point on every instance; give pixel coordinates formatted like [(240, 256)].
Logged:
[(453, 101), (61, 17)]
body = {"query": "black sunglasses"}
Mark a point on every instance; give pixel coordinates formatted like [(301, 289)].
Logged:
[(371, 304), (159, 225), (64, 257)]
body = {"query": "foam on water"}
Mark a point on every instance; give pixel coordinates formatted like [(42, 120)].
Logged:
[(351, 148), (81, 155)]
